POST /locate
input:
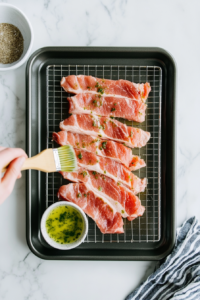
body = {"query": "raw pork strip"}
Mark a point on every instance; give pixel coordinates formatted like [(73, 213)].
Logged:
[(107, 106), (95, 207), (109, 149), (110, 168), (120, 197), (117, 88), (106, 128)]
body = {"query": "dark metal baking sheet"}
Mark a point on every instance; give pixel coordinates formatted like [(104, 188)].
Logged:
[(36, 141)]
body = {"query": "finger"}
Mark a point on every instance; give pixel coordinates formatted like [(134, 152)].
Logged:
[(8, 154), (9, 178), (2, 148), (19, 175)]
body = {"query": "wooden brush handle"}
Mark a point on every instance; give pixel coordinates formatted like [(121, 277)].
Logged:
[(43, 161)]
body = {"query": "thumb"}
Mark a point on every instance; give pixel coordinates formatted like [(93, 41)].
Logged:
[(13, 171)]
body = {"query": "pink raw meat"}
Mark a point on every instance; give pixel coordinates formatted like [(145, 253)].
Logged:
[(110, 149), (106, 128), (110, 168), (107, 106), (120, 197), (117, 88), (95, 207)]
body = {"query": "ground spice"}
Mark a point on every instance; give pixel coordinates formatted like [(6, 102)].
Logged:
[(11, 43)]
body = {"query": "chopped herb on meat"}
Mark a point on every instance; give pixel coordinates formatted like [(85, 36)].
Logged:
[(104, 145), (84, 173), (80, 155), (99, 88)]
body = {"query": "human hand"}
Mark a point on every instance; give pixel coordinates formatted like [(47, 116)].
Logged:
[(15, 157)]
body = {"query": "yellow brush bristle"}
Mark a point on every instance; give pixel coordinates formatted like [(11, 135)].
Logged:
[(67, 158)]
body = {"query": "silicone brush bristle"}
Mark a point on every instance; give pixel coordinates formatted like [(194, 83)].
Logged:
[(67, 158)]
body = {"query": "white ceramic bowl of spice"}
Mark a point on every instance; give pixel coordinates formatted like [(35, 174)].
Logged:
[(16, 37)]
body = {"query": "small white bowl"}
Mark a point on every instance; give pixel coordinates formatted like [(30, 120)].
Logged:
[(52, 242), (13, 15)]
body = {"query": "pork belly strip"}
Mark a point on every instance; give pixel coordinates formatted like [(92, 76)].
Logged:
[(108, 220), (107, 106), (106, 128), (121, 198), (110, 168), (109, 149), (117, 88)]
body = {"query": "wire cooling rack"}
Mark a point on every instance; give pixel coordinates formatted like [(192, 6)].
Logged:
[(147, 227)]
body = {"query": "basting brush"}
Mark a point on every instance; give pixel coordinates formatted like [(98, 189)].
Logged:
[(52, 160)]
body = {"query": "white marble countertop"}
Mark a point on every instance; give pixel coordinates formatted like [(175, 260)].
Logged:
[(173, 25)]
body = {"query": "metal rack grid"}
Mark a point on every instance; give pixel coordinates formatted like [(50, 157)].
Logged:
[(147, 227)]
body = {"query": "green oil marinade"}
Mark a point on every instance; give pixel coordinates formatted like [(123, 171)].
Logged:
[(64, 224)]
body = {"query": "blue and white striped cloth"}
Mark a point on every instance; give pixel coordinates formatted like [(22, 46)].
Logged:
[(178, 277)]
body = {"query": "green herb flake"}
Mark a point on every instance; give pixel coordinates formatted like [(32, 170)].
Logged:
[(78, 195), (104, 145), (100, 188), (100, 90), (113, 109), (118, 183), (95, 174), (80, 155), (102, 127), (104, 171), (84, 173), (122, 211)]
